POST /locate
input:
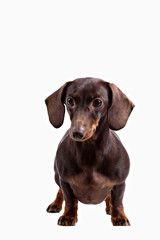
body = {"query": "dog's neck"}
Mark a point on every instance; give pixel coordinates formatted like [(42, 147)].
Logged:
[(93, 146)]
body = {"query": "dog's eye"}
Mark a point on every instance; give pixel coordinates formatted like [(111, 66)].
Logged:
[(70, 101), (97, 102)]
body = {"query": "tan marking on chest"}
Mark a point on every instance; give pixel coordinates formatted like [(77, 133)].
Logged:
[(94, 180)]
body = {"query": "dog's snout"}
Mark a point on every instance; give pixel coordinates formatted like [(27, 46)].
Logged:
[(78, 134)]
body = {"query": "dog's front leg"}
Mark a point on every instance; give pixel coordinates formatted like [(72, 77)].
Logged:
[(69, 217), (118, 216)]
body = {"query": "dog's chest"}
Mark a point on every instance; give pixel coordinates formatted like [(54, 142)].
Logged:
[(91, 186), (90, 178)]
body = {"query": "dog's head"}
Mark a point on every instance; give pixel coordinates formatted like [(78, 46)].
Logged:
[(87, 101)]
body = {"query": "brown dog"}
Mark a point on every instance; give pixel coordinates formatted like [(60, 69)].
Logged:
[(91, 164)]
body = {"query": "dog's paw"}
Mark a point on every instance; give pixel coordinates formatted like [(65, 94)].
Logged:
[(120, 221), (108, 211), (67, 221), (53, 208), (108, 205)]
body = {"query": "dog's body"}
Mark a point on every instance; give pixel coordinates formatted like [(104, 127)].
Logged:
[(91, 164)]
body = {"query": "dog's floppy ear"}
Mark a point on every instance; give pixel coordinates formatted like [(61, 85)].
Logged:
[(55, 107), (120, 108)]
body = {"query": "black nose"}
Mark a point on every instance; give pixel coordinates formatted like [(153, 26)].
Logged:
[(78, 134)]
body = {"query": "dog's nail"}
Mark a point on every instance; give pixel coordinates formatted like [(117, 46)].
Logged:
[(47, 209), (53, 209), (128, 222), (63, 223), (70, 223), (123, 222)]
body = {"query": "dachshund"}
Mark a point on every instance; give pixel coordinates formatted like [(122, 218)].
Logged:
[(91, 164)]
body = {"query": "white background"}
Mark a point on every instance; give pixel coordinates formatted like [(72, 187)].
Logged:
[(43, 44)]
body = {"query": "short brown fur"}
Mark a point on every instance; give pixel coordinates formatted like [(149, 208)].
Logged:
[(91, 164)]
